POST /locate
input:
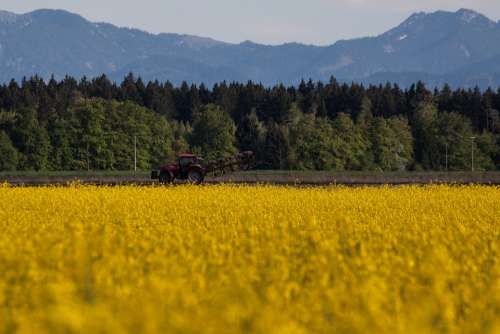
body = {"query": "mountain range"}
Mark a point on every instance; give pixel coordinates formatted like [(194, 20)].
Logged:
[(459, 48)]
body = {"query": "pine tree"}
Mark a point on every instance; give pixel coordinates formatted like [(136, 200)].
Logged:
[(8, 153)]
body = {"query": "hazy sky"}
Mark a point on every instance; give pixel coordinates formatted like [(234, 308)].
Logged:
[(265, 21)]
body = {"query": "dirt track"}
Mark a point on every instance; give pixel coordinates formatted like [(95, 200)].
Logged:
[(280, 178)]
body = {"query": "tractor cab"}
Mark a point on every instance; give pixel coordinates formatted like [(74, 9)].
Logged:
[(187, 159), (185, 162)]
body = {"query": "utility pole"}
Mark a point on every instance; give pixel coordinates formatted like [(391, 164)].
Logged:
[(135, 154), (446, 154), (472, 153), (88, 158)]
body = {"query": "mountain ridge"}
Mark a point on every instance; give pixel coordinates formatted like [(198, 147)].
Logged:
[(440, 45)]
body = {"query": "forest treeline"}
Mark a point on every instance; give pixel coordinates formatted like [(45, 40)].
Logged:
[(93, 125)]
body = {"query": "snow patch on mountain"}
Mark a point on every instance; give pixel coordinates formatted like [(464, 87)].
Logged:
[(465, 50), (468, 16)]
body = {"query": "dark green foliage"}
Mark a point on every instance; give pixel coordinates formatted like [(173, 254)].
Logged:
[(392, 144), (277, 149), (93, 125), (104, 134), (8, 153), (456, 132), (213, 133), (32, 141), (251, 135), (312, 143)]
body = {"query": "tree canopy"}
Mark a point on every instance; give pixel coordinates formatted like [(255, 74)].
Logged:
[(94, 125)]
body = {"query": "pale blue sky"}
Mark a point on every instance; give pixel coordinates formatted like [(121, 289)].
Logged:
[(266, 21)]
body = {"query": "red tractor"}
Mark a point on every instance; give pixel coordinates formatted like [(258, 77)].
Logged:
[(191, 167)]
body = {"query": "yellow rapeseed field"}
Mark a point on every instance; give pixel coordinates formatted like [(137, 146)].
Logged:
[(241, 259)]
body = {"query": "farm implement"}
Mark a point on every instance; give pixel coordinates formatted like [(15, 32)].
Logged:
[(193, 169)]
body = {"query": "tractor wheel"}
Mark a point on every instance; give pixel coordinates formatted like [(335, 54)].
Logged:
[(165, 178), (195, 176)]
